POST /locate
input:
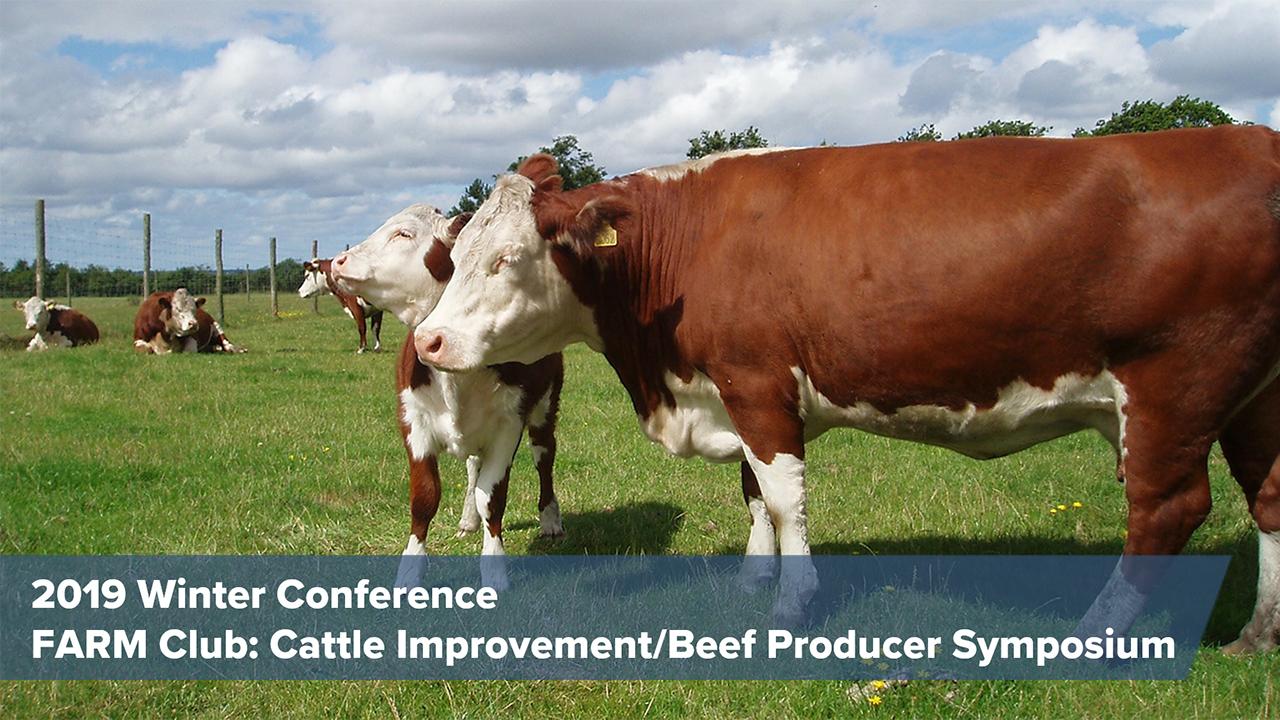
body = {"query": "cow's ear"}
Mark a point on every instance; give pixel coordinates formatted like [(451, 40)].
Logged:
[(596, 224), (164, 303), (17, 305), (307, 267), (542, 169), (200, 302), (455, 226)]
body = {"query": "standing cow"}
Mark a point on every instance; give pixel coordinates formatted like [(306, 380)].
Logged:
[(479, 415), (318, 280), (984, 296), (176, 322), (55, 325)]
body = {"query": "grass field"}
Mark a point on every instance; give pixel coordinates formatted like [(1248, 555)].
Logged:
[(292, 449)]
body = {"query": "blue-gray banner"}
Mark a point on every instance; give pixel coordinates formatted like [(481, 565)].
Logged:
[(1023, 617)]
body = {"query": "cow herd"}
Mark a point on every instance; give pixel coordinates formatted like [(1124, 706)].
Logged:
[(983, 296)]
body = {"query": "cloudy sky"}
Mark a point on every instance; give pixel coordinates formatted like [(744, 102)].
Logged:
[(318, 119)]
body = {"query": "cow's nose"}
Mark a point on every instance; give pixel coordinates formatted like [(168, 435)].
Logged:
[(430, 346)]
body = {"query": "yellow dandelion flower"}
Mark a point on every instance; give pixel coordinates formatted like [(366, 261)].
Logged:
[(875, 699), (1062, 507), (1053, 511), (1077, 504), (290, 456), (878, 684), (882, 666), (326, 448)]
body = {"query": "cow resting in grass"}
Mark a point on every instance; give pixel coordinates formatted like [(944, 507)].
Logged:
[(177, 322), (478, 415), (55, 325), (318, 280), (984, 296)]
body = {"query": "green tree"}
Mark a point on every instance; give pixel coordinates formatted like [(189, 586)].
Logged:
[(472, 197), (1013, 128), (577, 166), (1149, 115), (709, 142), (925, 133)]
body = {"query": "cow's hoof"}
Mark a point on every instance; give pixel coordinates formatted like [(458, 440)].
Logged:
[(1247, 646), (787, 615), (360, 351), (756, 573), (465, 530), (556, 534)]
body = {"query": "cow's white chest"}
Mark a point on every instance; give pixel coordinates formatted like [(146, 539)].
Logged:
[(1022, 416), (697, 425), (459, 413)]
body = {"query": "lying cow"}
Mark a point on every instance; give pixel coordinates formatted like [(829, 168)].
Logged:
[(984, 296), (176, 322), (319, 281), (478, 415), (56, 325)]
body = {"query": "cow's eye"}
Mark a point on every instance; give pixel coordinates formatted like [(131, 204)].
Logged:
[(404, 233)]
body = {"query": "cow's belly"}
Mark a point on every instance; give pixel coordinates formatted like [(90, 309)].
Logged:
[(459, 413), (1022, 416)]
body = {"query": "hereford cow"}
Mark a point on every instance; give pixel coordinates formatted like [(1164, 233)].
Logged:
[(479, 415), (176, 322), (56, 325), (984, 296), (319, 280)]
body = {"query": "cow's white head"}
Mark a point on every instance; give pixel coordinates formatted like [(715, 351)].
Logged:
[(36, 313), (404, 265), (179, 314), (313, 278), (509, 299)]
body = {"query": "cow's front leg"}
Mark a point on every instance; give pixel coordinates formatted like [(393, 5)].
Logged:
[(470, 520), (424, 501), (37, 343), (357, 314), (491, 503), (761, 562), (772, 433)]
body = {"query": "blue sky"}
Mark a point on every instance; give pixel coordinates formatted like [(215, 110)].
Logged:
[(317, 120)]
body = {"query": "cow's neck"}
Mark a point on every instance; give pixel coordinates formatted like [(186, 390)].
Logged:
[(639, 293)]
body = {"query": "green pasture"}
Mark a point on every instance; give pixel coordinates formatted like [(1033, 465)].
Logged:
[(292, 449)]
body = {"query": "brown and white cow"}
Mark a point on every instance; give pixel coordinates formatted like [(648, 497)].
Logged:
[(319, 280), (984, 295), (55, 325), (177, 322), (479, 416)]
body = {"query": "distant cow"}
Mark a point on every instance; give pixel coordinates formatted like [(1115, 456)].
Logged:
[(319, 280), (56, 325), (478, 416), (176, 322), (983, 296)]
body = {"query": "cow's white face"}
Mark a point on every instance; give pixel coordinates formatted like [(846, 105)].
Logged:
[(399, 267), (180, 317), (313, 280), (507, 301), (36, 313)]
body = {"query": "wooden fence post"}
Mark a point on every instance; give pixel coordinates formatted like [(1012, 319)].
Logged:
[(275, 300), (217, 278), (247, 296), (66, 273), (146, 255), (315, 299), (40, 248)]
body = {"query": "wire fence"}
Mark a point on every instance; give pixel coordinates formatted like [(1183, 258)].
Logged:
[(95, 258)]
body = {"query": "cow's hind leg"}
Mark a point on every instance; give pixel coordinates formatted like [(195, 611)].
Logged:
[(1165, 466), (542, 443), (357, 314), (424, 501), (375, 322), (1251, 444)]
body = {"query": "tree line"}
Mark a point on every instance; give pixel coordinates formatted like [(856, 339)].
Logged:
[(579, 168)]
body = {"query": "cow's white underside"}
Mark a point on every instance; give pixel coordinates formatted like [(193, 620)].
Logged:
[(459, 413), (1022, 416)]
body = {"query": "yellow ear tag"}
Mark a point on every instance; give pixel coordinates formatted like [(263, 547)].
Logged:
[(607, 237)]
